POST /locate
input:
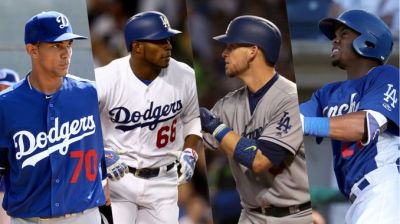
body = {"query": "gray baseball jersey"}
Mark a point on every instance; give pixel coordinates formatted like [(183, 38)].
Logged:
[(275, 119)]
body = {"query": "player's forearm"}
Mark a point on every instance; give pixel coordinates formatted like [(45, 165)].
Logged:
[(229, 143), (348, 127), (106, 189), (194, 142)]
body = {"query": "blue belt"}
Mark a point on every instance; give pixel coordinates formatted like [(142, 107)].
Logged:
[(362, 185)]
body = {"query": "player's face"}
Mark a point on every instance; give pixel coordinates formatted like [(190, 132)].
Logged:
[(235, 58), (3, 87), (55, 58), (157, 53), (342, 54)]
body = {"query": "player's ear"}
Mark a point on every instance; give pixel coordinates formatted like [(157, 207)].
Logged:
[(32, 50), (253, 52), (136, 47)]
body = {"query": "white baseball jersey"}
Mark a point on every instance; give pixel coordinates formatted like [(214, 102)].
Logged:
[(145, 122)]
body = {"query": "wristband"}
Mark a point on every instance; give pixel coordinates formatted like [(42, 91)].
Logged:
[(220, 132), (316, 126)]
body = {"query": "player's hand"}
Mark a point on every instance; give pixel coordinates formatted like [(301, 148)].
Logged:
[(209, 122), (116, 169), (187, 158)]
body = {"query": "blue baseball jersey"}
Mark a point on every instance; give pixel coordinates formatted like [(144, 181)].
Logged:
[(378, 91), (52, 148)]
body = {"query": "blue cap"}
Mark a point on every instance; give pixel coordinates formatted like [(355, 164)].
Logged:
[(49, 27), (8, 77)]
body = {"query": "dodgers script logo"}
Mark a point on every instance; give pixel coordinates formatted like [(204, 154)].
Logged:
[(345, 108), (254, 134), (63, 135), (128, 120)]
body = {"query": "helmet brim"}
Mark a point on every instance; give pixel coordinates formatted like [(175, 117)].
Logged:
[(222, 38), (162, 35), (328, 25), (228, 39)]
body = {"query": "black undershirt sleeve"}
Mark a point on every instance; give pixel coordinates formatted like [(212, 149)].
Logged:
[(274, 152)]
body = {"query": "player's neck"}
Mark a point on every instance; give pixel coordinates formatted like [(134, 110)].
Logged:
[(256, 77), (362, 69), (45, 84), (144, 71)]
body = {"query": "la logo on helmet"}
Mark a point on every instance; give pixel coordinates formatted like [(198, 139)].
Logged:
[(63, 21), (164, 21)]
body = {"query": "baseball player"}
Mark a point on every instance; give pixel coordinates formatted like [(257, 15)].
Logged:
[(150, 117), (361, 116), (51, 150), (258, 126), (8, 77)]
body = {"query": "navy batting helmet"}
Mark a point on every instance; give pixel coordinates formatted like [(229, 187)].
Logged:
[(375, 39), (149, 25), (254, 30)]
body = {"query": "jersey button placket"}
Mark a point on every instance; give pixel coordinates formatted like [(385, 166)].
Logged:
[(54, 157), (142, 133)]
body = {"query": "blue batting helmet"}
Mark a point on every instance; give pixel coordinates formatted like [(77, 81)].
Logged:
[(254, 30), (149, 25), (375, 40)]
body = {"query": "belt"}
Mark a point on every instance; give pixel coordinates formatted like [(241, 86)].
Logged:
[(148, 172), (65, 216), (281, 211), (362, 185)]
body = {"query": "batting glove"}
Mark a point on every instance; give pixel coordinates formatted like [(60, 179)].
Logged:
[(116, 169), (187, 158), (212, 125)]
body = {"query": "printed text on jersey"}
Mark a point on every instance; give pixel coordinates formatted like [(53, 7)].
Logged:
[(151, 117), (63, 135)]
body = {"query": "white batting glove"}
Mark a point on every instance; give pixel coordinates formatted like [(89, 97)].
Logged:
[(116, 169), (187, 158)]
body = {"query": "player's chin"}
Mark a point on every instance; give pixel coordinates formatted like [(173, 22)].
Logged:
[(230, 74), (337, 63), (62, 72), (164, 63)]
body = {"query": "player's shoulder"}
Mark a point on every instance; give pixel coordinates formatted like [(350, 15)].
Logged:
[(181, 66), (387, 70), (234, 95), (182, 69), (79, 83), (285, 86), (11, 91), (330, 87), (111, 69)]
